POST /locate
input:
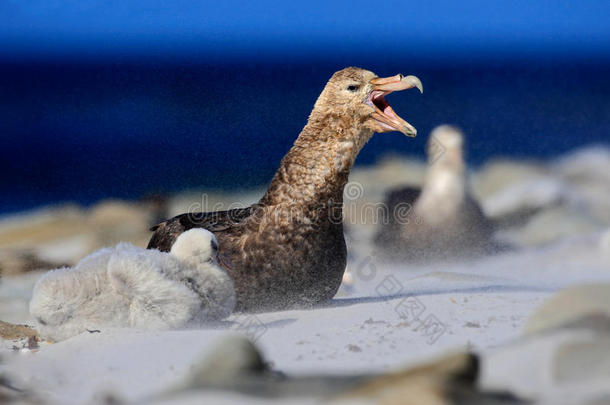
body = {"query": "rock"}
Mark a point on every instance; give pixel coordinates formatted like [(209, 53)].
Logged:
[(15, 293), (564, 356), (14, 337), (10, 394), (54, 237), (450, 379), (552, 225), (588, 171), (497, 175), (118, 221), (233, 358), (570, 305), (589, 164), (517, 202), (11, 331), (354, 348), (529, 367), (535, 203), (236, 366), (17, 261), (582, 362)]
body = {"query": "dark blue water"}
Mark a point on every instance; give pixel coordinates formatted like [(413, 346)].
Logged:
[(71, 132)]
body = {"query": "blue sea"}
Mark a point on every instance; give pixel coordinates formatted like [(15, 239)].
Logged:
[(86, 131)]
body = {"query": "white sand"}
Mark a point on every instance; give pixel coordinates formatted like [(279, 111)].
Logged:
[(392, 317), (481, 305)]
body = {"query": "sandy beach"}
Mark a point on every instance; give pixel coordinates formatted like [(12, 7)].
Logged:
[(388, 316)]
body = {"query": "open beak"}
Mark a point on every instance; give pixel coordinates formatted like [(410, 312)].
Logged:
[(384, 114)]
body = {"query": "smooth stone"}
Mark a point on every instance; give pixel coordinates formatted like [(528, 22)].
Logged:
[(569, 305), (582, 361), (230, 359)]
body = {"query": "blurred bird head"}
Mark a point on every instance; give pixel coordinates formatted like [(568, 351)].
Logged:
[(445, 148)]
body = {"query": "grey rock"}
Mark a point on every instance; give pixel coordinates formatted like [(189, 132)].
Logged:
[(233, 358), (582, 361), (573, 304), (235, 366)]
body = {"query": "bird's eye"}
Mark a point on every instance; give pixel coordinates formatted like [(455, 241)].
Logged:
[(214, 245), (352, 87)]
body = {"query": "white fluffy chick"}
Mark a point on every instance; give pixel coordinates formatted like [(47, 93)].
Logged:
[(128, 286)]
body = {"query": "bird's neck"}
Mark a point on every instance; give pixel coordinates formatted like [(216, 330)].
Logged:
[(444, 189), (315, 170)]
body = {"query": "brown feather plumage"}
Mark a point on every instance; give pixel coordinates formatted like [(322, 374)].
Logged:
[(288, 249)]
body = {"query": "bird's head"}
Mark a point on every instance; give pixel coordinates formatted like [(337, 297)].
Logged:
[(359, 93), (199, 246), (445, 148)]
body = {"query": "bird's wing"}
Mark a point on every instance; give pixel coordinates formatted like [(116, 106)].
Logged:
[(402, 195), (400, 202), (398, 205), (166, 232)]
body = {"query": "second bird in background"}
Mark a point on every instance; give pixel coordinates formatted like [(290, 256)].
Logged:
[(440, 221)]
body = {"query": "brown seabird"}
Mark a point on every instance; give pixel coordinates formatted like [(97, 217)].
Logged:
[(440, 221), (288, 249)]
